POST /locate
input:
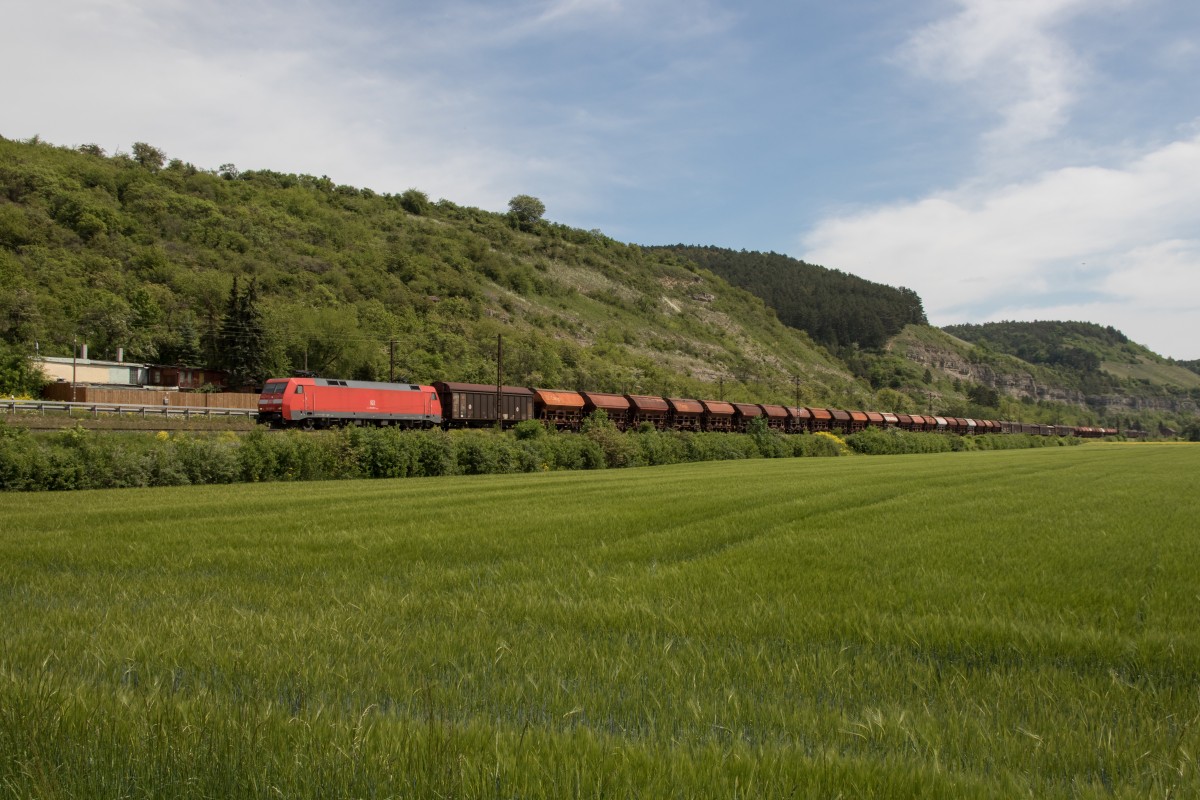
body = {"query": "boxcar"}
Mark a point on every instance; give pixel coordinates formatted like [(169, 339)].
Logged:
[(471, 405)]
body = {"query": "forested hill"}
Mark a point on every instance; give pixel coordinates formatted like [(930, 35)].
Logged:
[(140, 252), (833, 307), (1075, 345)]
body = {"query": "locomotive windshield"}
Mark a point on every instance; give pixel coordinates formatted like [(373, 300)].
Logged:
[(275, 388)]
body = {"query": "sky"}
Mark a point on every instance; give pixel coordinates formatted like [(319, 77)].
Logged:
[(1006, 159)]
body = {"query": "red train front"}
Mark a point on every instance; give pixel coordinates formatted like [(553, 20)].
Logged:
[(322, 402)]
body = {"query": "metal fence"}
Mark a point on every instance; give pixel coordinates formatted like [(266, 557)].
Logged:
[(119, 409)]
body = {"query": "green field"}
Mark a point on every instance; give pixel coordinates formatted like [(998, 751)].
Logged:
[(981, 624)]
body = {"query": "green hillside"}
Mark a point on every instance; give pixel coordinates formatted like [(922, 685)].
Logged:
[(141, 253), (836, 309), (1093, 357)]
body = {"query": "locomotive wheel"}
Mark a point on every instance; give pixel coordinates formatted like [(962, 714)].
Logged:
[(308, 424)]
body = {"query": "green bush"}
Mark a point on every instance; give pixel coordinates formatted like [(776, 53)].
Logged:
[(893, 441), (83, 459)]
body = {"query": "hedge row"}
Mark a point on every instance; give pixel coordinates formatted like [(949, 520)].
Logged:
[(893, 441), (82, 459)]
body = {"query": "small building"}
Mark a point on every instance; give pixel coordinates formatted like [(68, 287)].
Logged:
[(93, 372)]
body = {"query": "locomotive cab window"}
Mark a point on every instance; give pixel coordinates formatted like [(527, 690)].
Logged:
[(299, 390)]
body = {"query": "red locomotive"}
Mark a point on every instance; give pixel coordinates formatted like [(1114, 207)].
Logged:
[(321, 402)]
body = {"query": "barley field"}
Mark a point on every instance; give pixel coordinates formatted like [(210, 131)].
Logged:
[(958, 625)]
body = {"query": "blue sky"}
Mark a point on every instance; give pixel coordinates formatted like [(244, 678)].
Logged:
[(1007, 159)]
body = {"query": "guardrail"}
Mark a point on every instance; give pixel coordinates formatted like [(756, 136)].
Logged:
[(120, 409)]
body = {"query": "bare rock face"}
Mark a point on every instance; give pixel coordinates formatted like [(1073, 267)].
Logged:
[(1022, 384)]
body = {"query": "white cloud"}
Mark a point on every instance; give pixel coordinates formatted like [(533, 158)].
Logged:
[(1119, 238), (1006, 54), (290, 91)]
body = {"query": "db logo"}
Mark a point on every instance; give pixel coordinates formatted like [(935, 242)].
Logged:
[(372, 404)]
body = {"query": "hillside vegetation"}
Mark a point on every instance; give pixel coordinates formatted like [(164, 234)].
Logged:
[(835, 308), (141, 253), (1090, 357)]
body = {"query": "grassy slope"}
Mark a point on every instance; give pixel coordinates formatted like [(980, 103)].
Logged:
[(126, 256), (968, 625), (1153, 371)]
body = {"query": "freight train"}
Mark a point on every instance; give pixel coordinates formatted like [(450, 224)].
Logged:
[(311, 403)]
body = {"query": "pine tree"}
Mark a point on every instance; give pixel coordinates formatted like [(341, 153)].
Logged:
[(243, 338)]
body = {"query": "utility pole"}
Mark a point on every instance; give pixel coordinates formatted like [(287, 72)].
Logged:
[(74, 357), (499, 373), (796, 382), (391, 360)]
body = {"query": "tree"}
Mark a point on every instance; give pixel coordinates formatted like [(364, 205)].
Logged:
[(149, 156), (526, 211), (19, 374), (414, 201), (243, 338)]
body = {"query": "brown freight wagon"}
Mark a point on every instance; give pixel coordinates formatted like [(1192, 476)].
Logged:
[(559, 408), (473, 405), (799, 419), (875, 419), (822, 419), (686, 415), (615, 405), (743, 413), (718, 415), (777, 417), (841, 420), (643, 408), (858, 421), (890, 420)]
